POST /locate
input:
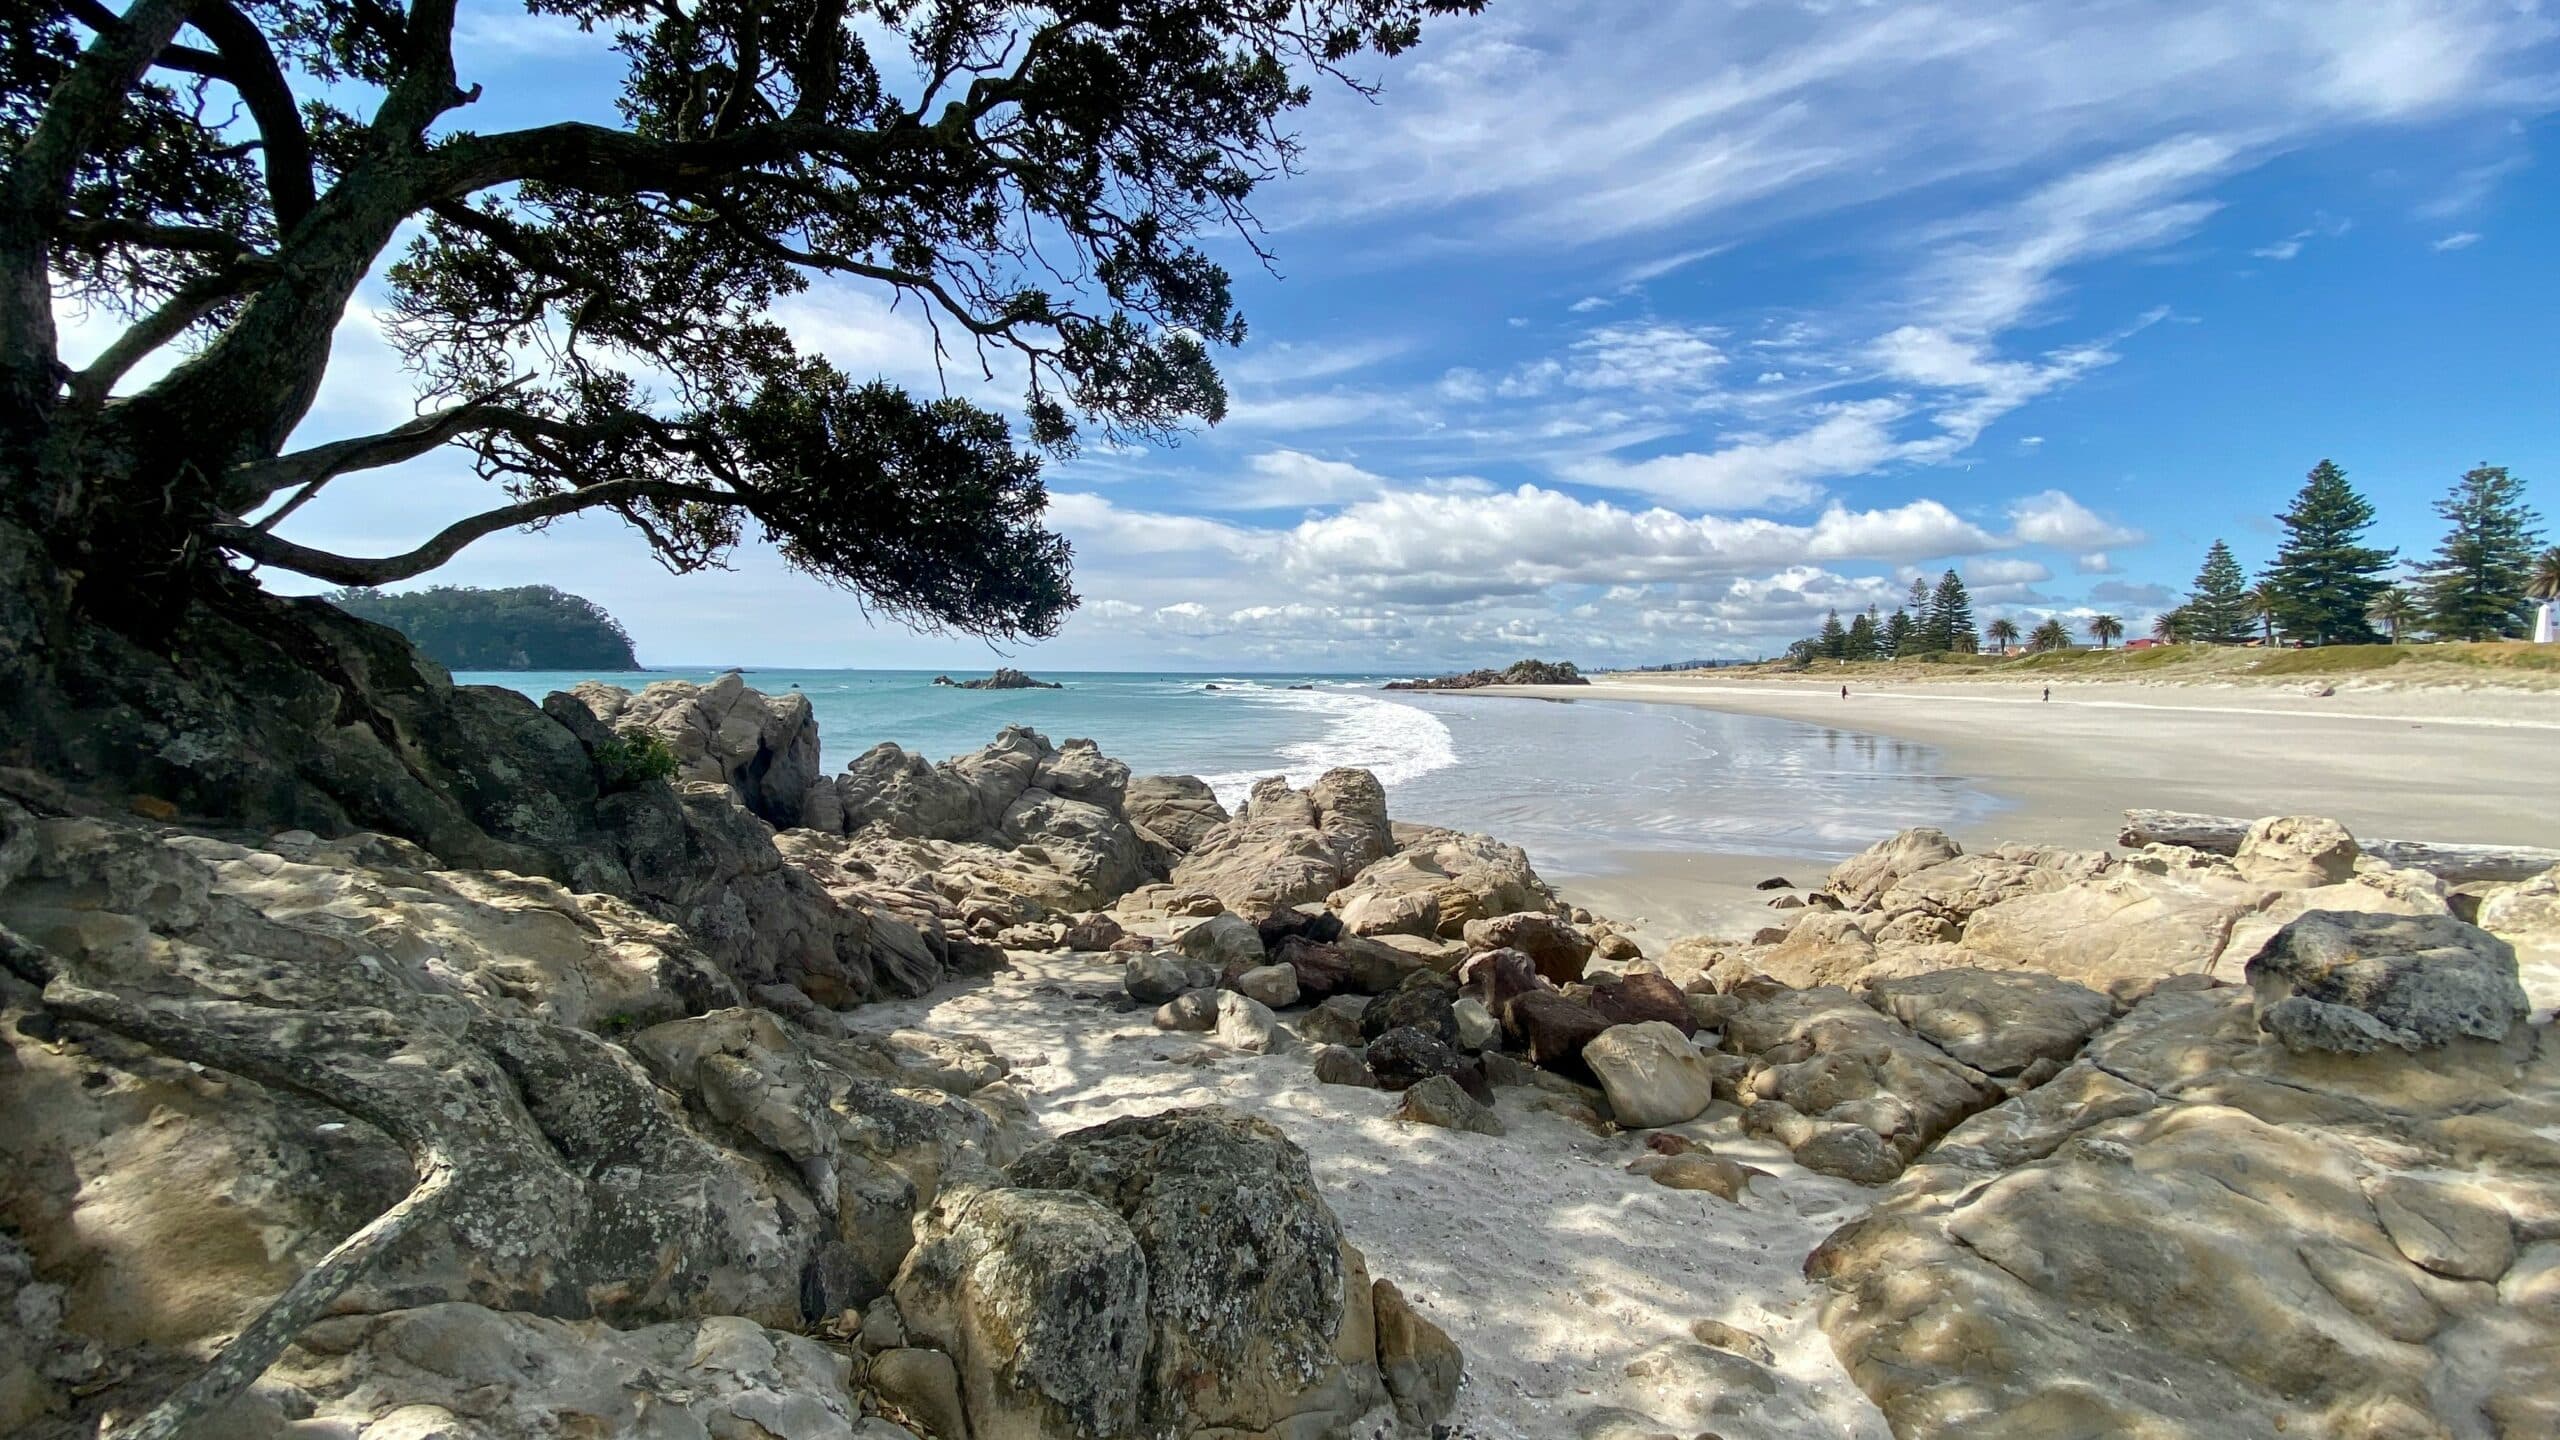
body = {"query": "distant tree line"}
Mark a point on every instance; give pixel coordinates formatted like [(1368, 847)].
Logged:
[(2326, 586), (528, 627), (1933, 620)]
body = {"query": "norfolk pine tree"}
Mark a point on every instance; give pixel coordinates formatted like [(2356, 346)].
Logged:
[(2323, 581), (2475, 587), (2217, 609)]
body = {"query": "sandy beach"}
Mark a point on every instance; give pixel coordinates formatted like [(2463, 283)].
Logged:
[(2479, 766)]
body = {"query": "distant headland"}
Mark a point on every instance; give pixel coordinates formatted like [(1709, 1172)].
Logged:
[(526, 627)]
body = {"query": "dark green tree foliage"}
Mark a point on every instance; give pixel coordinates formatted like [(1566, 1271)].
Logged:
[(530, 627), (1898, 635), (2323, 581), (2475, 588), (1833, 641), (223, 176), (1950, 622), (1863, 639), (2049, 636), (2217, 609)]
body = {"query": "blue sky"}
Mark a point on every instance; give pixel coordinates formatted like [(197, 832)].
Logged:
[(1638, 333)]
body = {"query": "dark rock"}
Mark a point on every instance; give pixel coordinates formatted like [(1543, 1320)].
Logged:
[(1519, 672), (1553, 1029), (1095, 932), (1005, 678), (1558, 949), (1498, 977), (2353, 982), (1775, 882), (1423, 1005), (1632, 999), (1299, 922), (1405, 1056)]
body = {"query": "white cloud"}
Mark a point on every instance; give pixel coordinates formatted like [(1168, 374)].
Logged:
[(1758, 471), (2096, 562), (2459, 240), (2054, 518), (2003, 570), (1589, 303)]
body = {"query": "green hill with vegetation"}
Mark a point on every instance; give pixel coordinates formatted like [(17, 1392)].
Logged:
[(528, 627)]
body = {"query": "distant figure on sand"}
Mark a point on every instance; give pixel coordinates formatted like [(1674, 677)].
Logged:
[(2048, 692), (1844, 692)]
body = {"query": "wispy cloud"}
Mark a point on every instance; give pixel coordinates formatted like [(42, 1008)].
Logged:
[(2458, 240)]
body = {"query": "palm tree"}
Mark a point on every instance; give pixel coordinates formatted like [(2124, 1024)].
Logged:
[(2260, 606), (2545, 587), (2004, 631), (2392, 608), (2170, 624), (2105, 628), (2049, 636)]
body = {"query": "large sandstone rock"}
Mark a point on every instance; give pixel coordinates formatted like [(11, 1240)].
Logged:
[(1998, 1022), (1290, 846), (1955, 889), (1437, 881), (2527, 916), (1829, 1056), (1651, 1073), (2123, 931), (763, 747), (2293, 852), (2348, 982), (460, 1370), (1176, 811), (1862, 879), (1554, 945), (2198, 1232)]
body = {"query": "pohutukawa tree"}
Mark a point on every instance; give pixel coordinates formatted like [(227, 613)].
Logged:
[(590, 305)]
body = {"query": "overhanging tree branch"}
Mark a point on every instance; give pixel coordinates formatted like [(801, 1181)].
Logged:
[(449, 542)]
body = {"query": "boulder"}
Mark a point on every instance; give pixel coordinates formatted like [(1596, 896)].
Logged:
[(1175, 811), (1420, 1364), (1405, 1057), (1495, 978), (1554, 946), (1475, 1025), (1334, 1022), (1154, 977), (1289, 846), (1634, 999), (1830, 1057), (1040, 1296), (1249, 1297), (2291, 852), (763, 747), (2344, 981), (1438, 880), (1273, 985), (1696, 1170), (1439, 1100), (1823, 947), (1222, 940), (1337, 1065), (1998, 1022), (1245, 1023), (1651, 1073), (1190, 1010), (1094, 933), (1552, 1029), (1427, 1005), (1861, 880)]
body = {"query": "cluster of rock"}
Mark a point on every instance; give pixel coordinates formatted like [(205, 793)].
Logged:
[(630, 1158), (1519, 672), (1005, 678)]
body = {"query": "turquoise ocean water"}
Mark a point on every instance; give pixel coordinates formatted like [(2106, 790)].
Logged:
[(1574, 782)]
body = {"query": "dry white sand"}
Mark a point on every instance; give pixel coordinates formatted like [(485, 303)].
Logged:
[(2470, 766), (1550, 1265)]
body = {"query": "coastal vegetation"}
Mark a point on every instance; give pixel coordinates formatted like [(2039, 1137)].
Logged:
[(527, 627), (1518, 672)]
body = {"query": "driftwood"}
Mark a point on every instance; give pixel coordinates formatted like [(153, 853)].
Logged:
[(2457, 864)]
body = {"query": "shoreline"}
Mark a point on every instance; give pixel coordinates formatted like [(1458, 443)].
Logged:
[(2419, 765)]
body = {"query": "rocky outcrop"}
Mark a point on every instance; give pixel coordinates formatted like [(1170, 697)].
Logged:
[(1005, 678), (1437, 882), (763, 747), (1173, 811), (1172, 1274), (1863, 879), (1518, 672), (2351, 983), (1019, 819), (1288, 847), (2198, 1230), (622, 1140)]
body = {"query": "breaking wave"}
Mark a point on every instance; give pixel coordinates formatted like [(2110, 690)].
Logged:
[(1394, 742)]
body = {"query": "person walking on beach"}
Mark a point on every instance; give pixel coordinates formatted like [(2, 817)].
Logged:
[(2048, 692), (1844, 692)]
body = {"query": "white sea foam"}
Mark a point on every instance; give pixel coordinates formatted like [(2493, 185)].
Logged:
[(1394, 742)]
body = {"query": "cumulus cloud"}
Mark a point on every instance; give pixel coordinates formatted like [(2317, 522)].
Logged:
[(1759, 471), (2053, 518)]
